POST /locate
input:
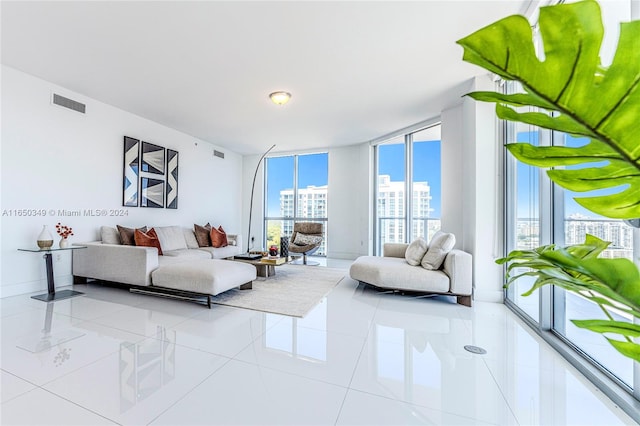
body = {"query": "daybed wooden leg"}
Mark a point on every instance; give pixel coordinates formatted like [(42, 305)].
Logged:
[(247, 286), (79, 280), (209, 301), (464, 300)]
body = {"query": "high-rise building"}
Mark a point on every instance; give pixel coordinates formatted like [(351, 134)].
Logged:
[(576, 228), (391, 214)]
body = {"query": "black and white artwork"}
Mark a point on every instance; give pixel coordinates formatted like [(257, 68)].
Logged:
[(152, 192), (150, 175), (131, 172), (152, 158), (172, 179)]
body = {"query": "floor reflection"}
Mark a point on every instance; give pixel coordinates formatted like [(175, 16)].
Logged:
[(292, 336), (146, 367), (50, 341)]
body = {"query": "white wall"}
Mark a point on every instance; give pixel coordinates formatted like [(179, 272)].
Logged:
[(471, 187), (349, 202), (56, 159)]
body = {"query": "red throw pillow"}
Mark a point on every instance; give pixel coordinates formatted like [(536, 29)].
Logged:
[(147, 239), (219, 237)]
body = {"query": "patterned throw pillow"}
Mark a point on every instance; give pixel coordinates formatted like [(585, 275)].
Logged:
[(218, 237), (202, 235), (147, 239), (306, 240)]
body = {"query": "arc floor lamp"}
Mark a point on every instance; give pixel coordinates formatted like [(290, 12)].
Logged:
[(253, 186)]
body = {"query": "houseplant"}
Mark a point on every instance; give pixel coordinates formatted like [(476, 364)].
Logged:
[(575, 94)]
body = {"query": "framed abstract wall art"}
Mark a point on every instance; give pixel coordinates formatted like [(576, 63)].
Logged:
[(151, 192), (131, 172), (152, 159), (150, 175), (172, 179)]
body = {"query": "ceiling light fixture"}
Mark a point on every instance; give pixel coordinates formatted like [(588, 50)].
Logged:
[(280, 98)]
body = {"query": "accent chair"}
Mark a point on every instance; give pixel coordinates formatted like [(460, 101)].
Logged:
[(306, 239)]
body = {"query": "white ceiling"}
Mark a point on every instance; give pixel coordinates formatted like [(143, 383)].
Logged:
[(357, 70)]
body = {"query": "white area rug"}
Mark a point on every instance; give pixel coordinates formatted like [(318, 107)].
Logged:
[(293, 291)]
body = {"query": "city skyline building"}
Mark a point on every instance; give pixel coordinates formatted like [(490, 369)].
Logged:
[(391, 211)]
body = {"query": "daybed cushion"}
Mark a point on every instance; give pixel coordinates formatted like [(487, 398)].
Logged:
[(204, 276), (394, 272), (441, 244)]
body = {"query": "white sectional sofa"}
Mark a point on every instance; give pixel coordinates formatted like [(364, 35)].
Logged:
[(134, 265), (392, 271)]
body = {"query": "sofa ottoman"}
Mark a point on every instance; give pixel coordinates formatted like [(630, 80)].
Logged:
[(204, 276)]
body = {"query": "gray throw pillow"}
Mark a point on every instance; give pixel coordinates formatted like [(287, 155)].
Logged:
[(109, 235), (441, 244), (415, 252), (190, 238), (171, 238)]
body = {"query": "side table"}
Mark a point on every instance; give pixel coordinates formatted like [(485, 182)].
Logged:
[(51, 287)]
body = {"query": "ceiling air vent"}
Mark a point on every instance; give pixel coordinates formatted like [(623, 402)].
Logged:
[(217, 153), (69, 103)]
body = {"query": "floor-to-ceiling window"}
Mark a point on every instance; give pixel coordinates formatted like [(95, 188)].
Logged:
[(408, 163), (540, 212), (391, 187), (574, 223), (523, 209), (296, 188)]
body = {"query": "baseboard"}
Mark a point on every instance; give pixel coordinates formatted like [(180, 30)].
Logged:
[(494, 296), (343, 255), (19, 289)]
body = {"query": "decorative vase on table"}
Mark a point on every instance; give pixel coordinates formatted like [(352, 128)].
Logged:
[(284, 247), (45, 239), (64, 243)]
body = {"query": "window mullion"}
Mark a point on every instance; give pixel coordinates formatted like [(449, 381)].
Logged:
[(408, 199)]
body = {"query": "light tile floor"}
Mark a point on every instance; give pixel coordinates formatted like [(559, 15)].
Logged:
[(360, 357)]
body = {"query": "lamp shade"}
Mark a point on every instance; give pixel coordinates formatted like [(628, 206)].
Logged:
[(280, 98)]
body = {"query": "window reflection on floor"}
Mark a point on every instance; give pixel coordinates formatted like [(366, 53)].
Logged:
[(299, 337)]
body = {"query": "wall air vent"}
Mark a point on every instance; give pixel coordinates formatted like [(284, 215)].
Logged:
[(218, 154), (69, 103)]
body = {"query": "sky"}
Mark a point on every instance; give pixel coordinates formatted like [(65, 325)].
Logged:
[(313, 169)]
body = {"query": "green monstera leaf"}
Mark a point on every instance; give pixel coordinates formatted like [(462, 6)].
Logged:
[(613, 284), (575, 95)]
